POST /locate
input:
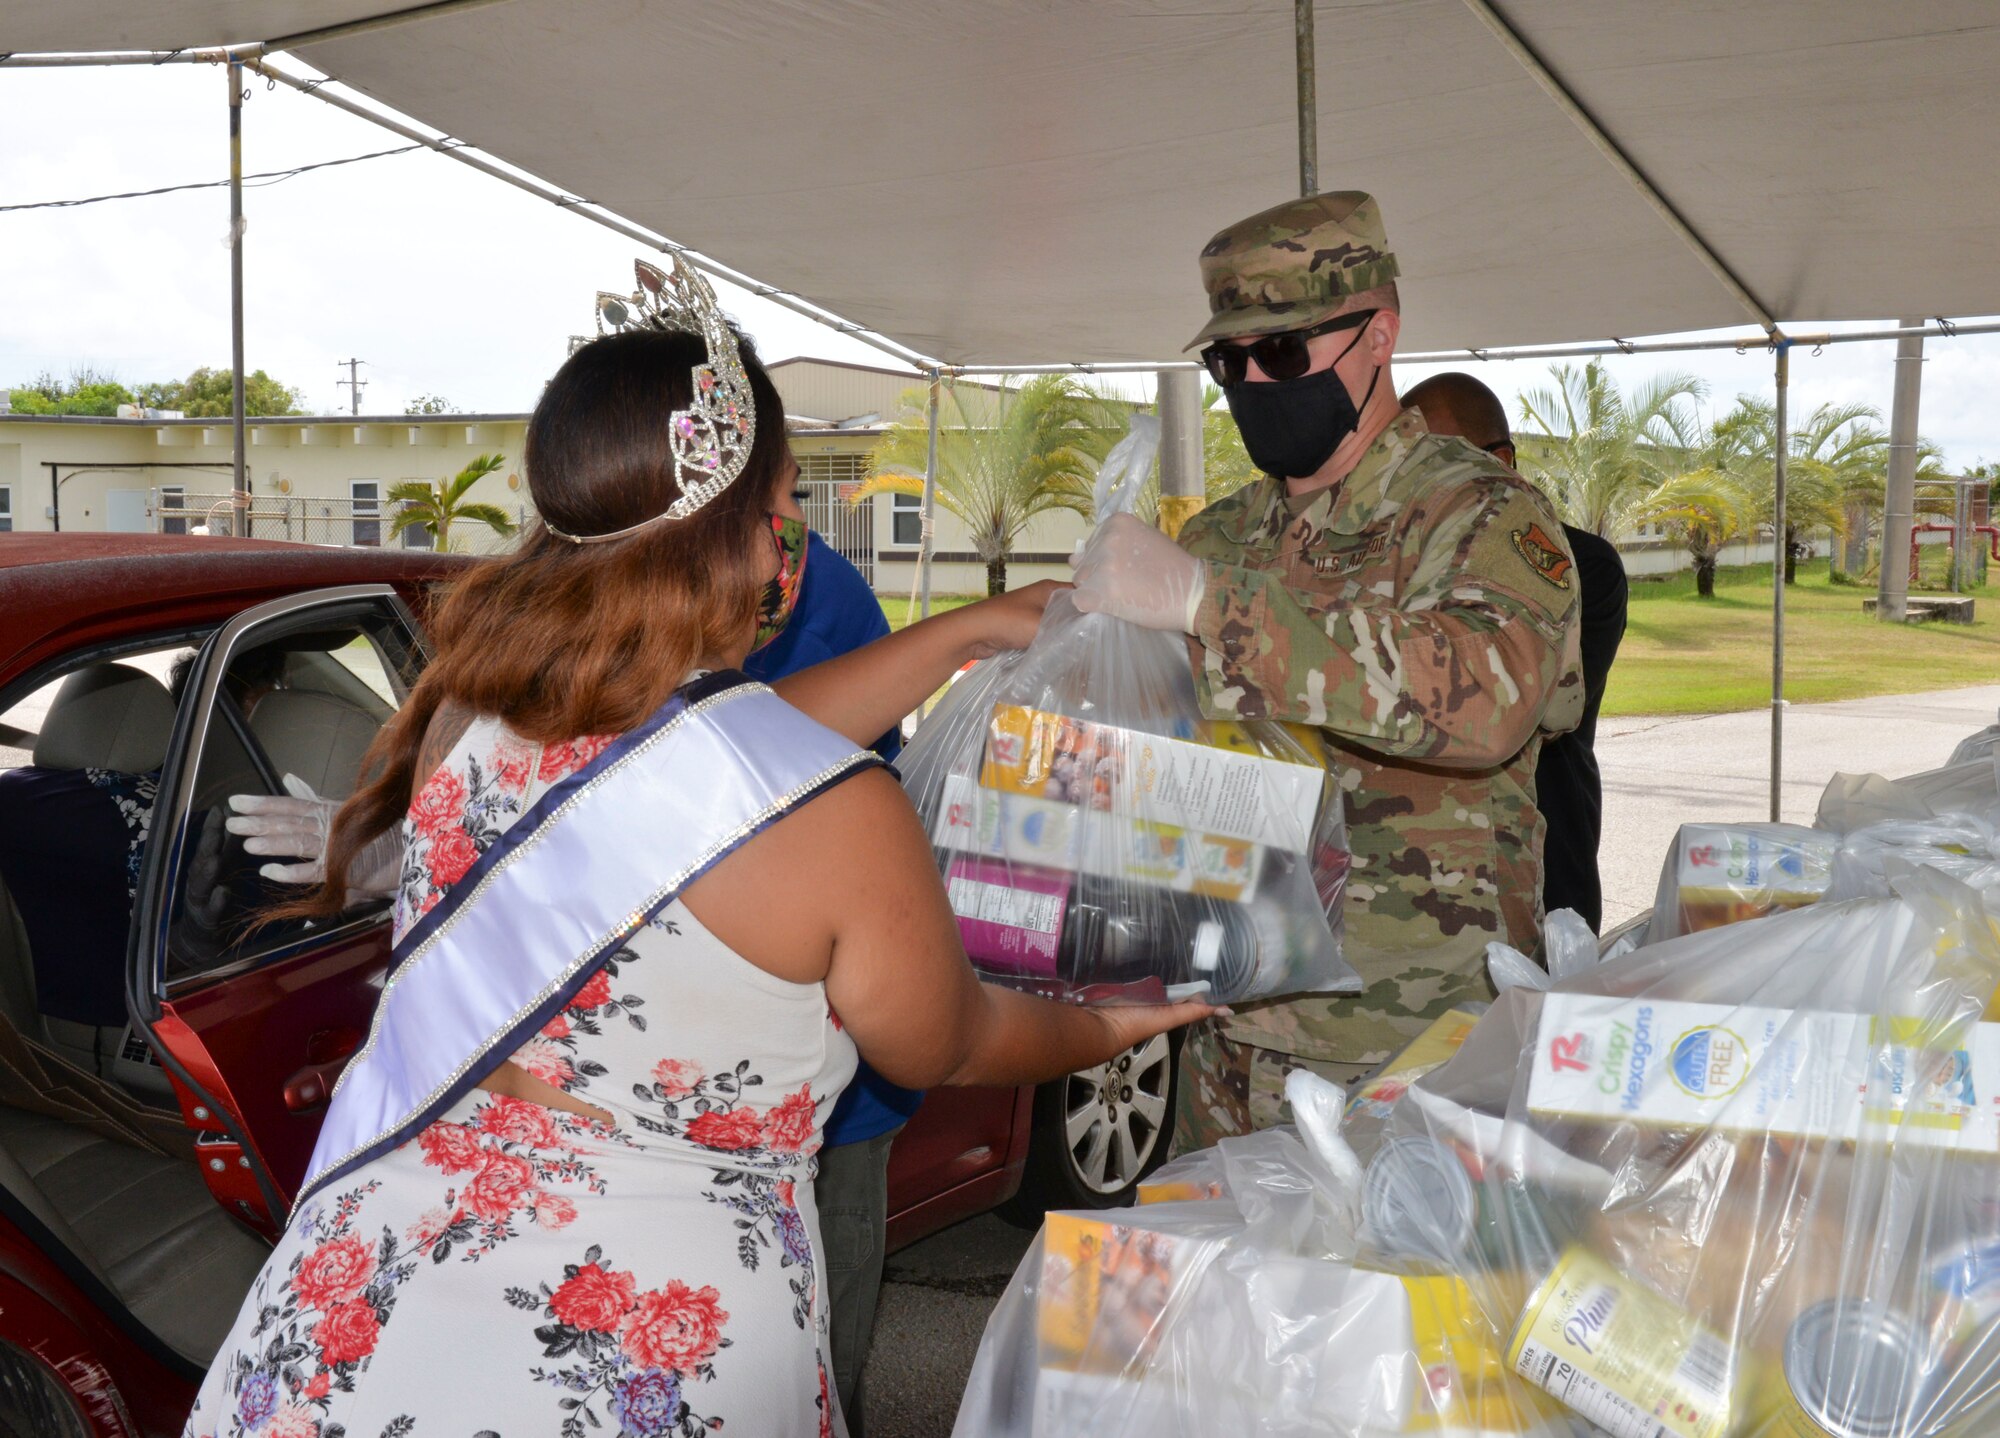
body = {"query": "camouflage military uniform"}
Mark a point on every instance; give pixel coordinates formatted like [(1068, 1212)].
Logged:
[(1421, 614)]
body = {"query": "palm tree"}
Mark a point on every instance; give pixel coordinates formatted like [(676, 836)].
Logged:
[(1003, 456), (1605, 452), (1708, 505), (1836, 461), (437, 506)]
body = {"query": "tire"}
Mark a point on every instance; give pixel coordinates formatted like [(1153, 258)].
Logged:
[(1098, 1132), (33, 1404)]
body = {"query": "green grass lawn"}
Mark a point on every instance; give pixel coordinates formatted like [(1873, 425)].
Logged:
[(1687, 655), (901, 611)]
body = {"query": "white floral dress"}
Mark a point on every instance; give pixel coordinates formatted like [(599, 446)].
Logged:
[(518, 1271)]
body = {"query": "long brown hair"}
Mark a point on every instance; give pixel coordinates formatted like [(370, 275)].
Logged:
[(560, 640)]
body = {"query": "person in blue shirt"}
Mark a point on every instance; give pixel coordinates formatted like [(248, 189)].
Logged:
[(837, 611)]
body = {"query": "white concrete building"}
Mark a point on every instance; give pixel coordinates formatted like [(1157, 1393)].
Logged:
[(325, 479)]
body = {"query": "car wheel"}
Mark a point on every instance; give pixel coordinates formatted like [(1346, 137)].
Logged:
[(32, 1404), (1099, 1131)]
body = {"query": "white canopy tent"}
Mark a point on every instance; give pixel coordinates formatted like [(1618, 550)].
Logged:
[(1019, 181)]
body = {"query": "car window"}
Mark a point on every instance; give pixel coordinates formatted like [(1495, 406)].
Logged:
[(297, 705)]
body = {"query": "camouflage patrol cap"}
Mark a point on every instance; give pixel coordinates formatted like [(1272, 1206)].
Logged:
[(1293, 265)]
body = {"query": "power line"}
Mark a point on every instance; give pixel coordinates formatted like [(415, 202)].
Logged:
[(267, 178)]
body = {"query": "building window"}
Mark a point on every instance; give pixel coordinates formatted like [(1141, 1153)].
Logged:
[(367, 511), (906, 519), (173, 509), (6, 508)]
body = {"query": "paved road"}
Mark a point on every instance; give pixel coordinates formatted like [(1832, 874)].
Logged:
[(1658, 773)]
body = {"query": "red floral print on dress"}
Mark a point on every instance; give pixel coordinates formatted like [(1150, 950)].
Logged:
[(451, 1148), (440, 804), (452, 853), (512, 763), (677, 1078), (730, 1131), (594, 993), (790, 1125), (557, 1027), (552, 1210), (519, 1121), (335, 1272), (559, 761), (546, 1062), (294, 1420), (675, 1328), (594, 1299), (503, 1183), (348, 1334)]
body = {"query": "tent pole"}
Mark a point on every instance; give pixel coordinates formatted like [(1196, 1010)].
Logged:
[(930, 498), (1308, 71), (1780, 550), (1899, 503), (1183, 487), (240, 484)]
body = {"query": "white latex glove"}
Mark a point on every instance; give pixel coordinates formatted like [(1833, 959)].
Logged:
[(1130, 570), (297, 825)]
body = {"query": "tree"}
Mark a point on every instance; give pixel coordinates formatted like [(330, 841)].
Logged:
[(207, 394), (431, 404), (1707, 506), (1003, 456), (86, 391), (1836, 461), (1607, 452), (437, 506)]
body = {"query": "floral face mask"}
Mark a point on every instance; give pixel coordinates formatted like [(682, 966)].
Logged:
[(781, 594)]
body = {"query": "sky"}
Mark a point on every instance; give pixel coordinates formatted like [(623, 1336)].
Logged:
[(447, 282)]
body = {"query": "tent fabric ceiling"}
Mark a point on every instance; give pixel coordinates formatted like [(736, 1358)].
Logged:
[(1030, 180)]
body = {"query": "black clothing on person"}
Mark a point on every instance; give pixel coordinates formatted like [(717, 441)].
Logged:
[(1568, 790)]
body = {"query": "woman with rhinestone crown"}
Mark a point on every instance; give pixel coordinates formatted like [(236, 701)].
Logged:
[(564, 1187)]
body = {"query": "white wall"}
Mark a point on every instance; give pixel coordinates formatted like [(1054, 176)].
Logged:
[(301, 469)]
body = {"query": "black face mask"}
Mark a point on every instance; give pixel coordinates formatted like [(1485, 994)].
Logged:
[(1292, 427)]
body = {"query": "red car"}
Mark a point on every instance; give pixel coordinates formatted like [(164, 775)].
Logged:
[(166, 1051)]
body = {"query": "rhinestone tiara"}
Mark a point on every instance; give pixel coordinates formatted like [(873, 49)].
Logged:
[(711, 438)]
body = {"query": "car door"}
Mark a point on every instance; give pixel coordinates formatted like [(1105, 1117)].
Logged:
[(254, 1015)]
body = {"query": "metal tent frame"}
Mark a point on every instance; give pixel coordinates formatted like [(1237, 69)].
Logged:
[(1772, 337)]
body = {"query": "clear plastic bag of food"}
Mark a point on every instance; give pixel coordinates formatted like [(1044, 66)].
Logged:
[(1965, 846), (1741, 1184), (1718, 874), (1102, 842)]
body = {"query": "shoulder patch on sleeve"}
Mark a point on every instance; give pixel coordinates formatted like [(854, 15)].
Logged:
[(1544, 555)]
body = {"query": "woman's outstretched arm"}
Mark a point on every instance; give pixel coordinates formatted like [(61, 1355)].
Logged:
[(866, 692)]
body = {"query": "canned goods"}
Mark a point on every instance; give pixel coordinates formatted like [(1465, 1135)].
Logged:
[(1850, 1370), (1418, 1202), (1622, 1356)]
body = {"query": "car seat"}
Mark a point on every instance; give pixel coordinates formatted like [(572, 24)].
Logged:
[(139, 1222), (72, 825)]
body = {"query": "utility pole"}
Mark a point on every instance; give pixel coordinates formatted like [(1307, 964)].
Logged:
[(240, 475), (355, 384)]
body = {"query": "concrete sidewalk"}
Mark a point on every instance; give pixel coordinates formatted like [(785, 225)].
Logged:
[(1664, 771)]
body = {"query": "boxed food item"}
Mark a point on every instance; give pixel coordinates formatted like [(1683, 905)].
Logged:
[(1055, 833), (1718, 874), (1793, 1074), (1216, 781)]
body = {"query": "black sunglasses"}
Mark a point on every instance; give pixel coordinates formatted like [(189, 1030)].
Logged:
[(1280, 356)]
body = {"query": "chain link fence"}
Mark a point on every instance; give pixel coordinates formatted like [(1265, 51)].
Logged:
[(303, 519)]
